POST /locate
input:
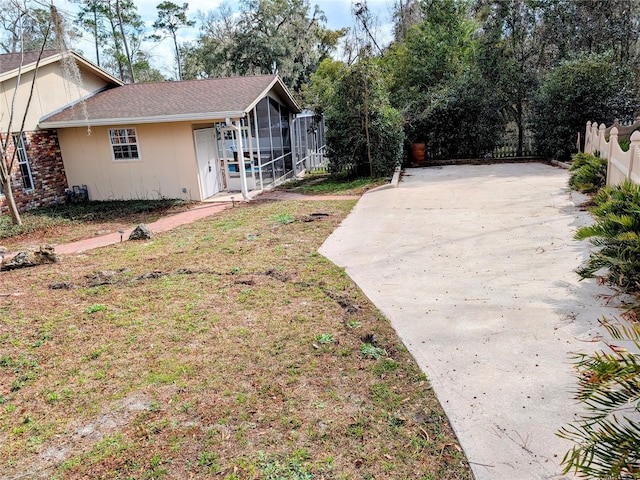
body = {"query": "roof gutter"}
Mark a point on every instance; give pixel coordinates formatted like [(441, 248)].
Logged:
[(185, 117)]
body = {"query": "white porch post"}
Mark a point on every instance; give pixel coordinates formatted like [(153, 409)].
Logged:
[(257, 146), (293, 138), (241, 168)]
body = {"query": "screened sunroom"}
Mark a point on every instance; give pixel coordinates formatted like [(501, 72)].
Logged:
[(274, 145)]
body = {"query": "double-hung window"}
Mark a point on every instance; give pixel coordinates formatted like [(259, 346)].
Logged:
[(23, 161), (124, 144)]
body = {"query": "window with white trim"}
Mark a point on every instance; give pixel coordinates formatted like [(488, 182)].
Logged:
[(23, 161), (124, 144)]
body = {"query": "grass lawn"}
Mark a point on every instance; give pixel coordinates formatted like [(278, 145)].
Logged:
[(323, 184), (229, 347)]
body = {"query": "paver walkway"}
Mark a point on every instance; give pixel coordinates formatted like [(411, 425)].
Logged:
[(164, 224), (474, 266)]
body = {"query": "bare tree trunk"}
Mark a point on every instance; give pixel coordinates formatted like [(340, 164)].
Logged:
[(366, 125), (520, 124), (124, 42), (5, 181), (95, 33), (116, 46), (175, 43), (6, 164), (10, 199)]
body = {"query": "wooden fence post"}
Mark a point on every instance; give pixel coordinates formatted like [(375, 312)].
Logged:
[(601, 138), (587, 138), (613, 141)]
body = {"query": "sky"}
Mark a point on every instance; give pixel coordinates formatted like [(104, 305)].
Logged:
[(338, 13)]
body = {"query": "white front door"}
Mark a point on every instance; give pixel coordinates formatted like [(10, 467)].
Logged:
[(208, 164)]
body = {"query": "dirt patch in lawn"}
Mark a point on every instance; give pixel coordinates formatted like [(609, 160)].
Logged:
[(226, 347)]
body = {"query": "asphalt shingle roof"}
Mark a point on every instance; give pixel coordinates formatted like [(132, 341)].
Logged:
[(166, 100), (11, 61)]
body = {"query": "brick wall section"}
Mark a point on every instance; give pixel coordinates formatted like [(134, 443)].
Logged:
[(47, 170)]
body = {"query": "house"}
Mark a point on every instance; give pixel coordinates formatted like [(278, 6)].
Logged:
[(38, 176), (188, 139), (178, 139)]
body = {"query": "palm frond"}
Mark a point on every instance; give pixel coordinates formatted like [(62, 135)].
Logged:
[(607, 435)]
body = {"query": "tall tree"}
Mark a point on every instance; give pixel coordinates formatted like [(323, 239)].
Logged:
[(434, 51), (430, 56), (279, 36), (363, 32), (23, 26), (143, 69), (116, 27), (406, 14), (267, 36), (172, 17), (208, 56), (125, 11), (523, 41), (364, 134), (91, 19), (512, 53), (593, 27)]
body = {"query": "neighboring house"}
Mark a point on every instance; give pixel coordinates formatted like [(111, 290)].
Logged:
[(178, 139), (38, 176)]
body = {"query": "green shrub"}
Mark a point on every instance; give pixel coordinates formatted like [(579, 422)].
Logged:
[(616, 199), (625, 144), (588, 173), (458, 119), (590, 87), (364, 133), (607, 436), (616, 236)]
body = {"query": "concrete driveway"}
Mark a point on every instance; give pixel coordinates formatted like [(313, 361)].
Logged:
[(474, 267)]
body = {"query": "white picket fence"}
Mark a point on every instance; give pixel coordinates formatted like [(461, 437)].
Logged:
[(603, 141)]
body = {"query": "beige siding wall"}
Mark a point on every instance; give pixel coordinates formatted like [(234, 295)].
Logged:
[(51, 92), (167, 163)]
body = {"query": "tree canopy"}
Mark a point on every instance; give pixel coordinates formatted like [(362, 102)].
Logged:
[(287, 37), (490, 66)]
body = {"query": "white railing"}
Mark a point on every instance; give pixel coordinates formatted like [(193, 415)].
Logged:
[(603, 141), (312, 161), (317, 160), (272, 172)]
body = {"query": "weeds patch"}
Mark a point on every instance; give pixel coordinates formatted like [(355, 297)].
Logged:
[(282, 218)]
